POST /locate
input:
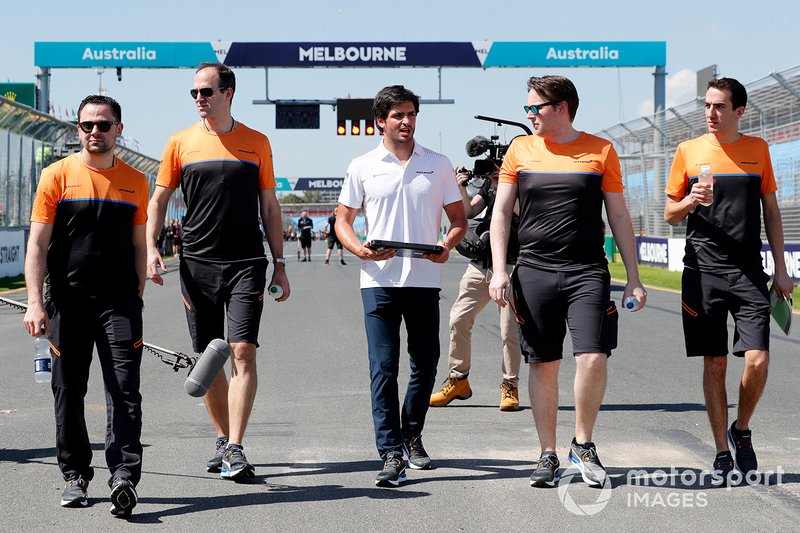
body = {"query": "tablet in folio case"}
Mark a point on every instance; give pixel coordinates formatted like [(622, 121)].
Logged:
[(407, 249), (781, 310)]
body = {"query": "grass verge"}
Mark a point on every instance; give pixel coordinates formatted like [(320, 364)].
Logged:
[(11, 284)]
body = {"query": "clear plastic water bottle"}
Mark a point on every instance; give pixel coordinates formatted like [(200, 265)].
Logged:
[(705, 176), (42, 360), (631, 303)]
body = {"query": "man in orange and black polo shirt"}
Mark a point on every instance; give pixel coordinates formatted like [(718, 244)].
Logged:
[(225, 172), (723, 272), (562, 178), (88, 234)]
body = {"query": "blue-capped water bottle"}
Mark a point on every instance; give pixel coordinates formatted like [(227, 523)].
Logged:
[(631, 303), (42, 360)]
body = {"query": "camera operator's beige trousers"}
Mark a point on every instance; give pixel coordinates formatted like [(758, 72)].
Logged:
[(473, 295)]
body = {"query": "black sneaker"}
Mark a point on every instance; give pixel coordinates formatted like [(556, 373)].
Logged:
[(417, 456), (722, 468), (74, 494), (123, 497), (394, 470), (327, 261), (235, 465), (742, 445), (546, 473), (584, 456), (215, 463), (342, 262)]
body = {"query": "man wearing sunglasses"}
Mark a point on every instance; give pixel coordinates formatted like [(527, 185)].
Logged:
[(88, 233), (562, 178), (225, 172)]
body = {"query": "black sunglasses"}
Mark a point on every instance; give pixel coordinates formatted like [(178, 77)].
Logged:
[(205, 92), (103, 125), (535, 108)]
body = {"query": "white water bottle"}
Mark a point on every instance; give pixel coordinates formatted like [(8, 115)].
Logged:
[(631, 303), (42, 360), (275, 291), (705, 176)]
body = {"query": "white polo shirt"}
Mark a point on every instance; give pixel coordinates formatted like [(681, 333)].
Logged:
[(401, 203)]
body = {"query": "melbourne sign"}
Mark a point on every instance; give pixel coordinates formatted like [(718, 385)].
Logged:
[(477, 54)]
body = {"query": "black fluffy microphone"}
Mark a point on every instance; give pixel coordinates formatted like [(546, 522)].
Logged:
[(207, 367), (477, 145)]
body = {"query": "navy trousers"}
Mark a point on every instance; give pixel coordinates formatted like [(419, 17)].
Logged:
[(384, 310)]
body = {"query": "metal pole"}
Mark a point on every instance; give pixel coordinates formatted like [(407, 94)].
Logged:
[(19, 183), (6, 217), (43, 77), (659, 169)]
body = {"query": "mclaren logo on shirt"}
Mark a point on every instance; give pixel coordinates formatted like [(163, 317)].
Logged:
[(424, 172), (748, 162), (586, 162)]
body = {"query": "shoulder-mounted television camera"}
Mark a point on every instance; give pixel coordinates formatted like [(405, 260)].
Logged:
[(491, 147)]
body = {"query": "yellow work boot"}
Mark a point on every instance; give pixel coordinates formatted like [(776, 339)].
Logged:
[(452, 389), (509, 396)]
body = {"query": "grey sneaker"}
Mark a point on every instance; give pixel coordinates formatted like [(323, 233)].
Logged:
[(123, 497), (215, 463), (75, 493), (417, 456), (394, 470), (546, 473), (584, 456), (235, 465)]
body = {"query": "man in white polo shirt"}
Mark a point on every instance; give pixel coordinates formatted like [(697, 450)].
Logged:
[(401, 188)]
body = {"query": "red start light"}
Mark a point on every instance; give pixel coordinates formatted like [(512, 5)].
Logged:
[(355, 128), (369, 127), (341, 128)]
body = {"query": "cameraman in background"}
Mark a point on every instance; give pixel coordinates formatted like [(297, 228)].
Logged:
[(473, 294)]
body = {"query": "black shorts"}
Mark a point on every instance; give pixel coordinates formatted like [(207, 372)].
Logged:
[(549, 301), (706, 300), (305, 241), (210, 291), (333, 241)]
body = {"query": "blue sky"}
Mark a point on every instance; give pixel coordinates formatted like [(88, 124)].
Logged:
[(745, 40)]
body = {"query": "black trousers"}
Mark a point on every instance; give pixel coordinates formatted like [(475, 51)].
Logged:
[(114, 326)]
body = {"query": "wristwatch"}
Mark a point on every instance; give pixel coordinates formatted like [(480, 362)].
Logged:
[(281, 260)]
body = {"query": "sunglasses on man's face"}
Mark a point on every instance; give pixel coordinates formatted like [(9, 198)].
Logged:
[(536, 109), (87, 126), (205, 92)]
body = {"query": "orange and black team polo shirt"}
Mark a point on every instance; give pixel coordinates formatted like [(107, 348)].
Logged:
[(93, 212), (220, 176), (560, 191), (726, 236)]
